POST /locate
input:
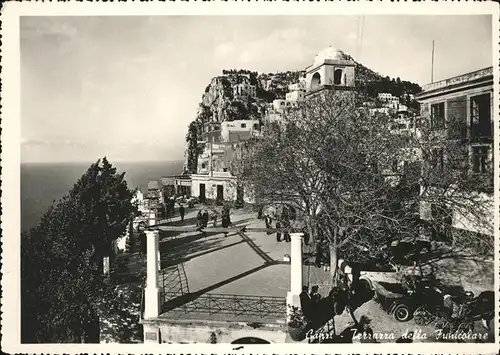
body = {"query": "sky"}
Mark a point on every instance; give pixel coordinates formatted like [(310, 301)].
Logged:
[(127, 87)]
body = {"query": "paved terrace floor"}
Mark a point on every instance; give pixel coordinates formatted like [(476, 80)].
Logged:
[(247, 265)]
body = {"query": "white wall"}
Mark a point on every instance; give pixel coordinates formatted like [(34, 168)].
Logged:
[(229, 183), (465, 220), (297, 95), (236, 126)]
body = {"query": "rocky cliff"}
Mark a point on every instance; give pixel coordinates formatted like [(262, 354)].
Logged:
[(218, 103)]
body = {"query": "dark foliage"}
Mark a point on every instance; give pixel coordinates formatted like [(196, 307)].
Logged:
[(62, 281)]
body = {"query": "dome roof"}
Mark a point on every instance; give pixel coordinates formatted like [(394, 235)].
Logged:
[(331, 54)]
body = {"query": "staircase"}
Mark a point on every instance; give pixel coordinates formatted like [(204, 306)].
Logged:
[(173, 281)]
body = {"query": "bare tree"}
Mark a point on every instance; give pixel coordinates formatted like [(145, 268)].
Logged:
[(356, 180)]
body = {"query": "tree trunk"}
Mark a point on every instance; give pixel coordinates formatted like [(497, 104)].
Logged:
[(333, 263), (334, 258)]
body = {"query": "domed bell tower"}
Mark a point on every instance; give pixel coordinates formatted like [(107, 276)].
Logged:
[(332, 70)]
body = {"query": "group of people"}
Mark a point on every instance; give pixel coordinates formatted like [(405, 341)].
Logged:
[(310, 302), (170, 208), (203, 218), (283, 221)]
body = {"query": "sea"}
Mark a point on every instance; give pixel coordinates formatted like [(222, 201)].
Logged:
[(44, 183)]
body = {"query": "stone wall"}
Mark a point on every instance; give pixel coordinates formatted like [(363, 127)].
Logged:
[(181, 333)]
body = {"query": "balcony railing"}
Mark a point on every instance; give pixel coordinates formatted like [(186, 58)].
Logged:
[(235, 305)]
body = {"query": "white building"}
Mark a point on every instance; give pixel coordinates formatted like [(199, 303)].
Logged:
[(213, 179), (384, 96), (383, 110), (239, 130), (468, 100), (331, 69)]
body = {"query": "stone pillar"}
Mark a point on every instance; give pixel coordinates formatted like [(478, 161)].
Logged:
[(151, 222), (152, 295), (295, 270)]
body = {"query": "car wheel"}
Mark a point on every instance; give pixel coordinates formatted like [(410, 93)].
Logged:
[(402, 312)]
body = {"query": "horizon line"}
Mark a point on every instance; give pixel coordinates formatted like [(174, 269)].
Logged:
[(93, 161)]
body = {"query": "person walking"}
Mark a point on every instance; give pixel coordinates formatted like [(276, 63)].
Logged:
[(226, 218), (286, 224), (167, 210), (198, 219), (259, 212), (214, 218), (205, 218), (181, 212), (278, 230), (267, 220)]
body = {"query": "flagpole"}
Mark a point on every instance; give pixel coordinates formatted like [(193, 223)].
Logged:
[(432, 63)]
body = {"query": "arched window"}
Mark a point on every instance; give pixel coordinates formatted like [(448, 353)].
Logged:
[(315, 81), (338, 76)]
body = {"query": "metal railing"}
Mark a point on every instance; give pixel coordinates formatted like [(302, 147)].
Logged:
[(236, 305)]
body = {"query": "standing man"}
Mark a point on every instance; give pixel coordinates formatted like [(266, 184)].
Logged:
[(205, 218), (226, 218), (199, 220), (181, 211), (286, 224), (315, 303), (306, 303), (214, 218), (278, 232)]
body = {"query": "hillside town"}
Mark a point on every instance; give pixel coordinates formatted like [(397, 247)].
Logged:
[(413, 282)]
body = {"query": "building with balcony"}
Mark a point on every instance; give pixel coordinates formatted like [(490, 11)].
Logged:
[(297, 91), (213, 179), (211, 132), (461, 109)]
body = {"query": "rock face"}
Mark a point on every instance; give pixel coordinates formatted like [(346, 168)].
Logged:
[(219, 103)]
